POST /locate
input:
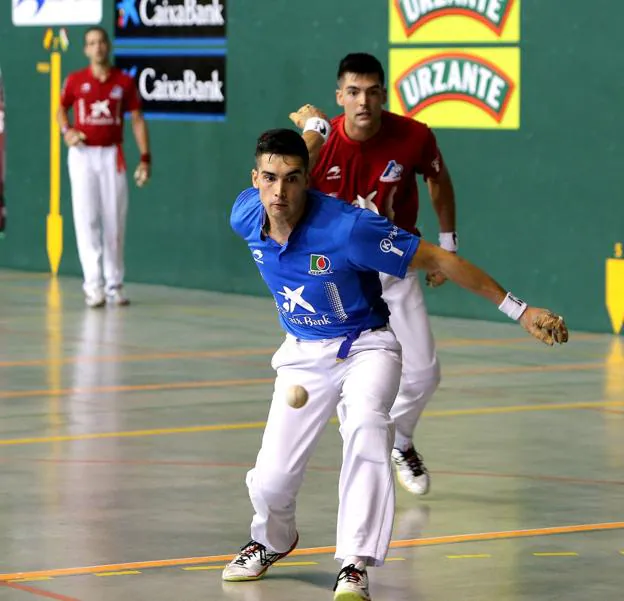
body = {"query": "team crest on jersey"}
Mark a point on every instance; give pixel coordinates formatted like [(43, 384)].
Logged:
[(392, 172), (319, 265), (85, 88), (116, 92)]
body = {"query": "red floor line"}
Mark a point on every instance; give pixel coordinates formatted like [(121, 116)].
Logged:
[(37, 591)]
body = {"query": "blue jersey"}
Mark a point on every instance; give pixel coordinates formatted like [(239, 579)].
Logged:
[(325, 279)]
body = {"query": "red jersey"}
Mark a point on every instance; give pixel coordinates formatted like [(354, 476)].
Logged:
[(380, 172), (99, 106)]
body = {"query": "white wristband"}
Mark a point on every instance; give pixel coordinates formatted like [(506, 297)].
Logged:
[(512, 307), (318, 125), (448, 241)]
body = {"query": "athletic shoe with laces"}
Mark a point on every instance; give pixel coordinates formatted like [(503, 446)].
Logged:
[(252, 562), (411, 471), (352, 583), (95, 299)]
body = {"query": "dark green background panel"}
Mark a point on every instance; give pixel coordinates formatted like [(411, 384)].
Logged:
[(539, 208)]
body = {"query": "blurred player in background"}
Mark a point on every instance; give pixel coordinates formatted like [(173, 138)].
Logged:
[(372, 158), (99, 96)]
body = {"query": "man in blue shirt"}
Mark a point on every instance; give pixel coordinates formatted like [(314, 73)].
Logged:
[(320, 258)]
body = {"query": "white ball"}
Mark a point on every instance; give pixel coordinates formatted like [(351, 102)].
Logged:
[(296, 396)]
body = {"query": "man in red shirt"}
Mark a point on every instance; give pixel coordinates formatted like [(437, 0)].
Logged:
[(372, 157), (99, 96)]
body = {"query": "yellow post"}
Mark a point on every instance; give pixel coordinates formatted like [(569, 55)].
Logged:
[(615, 289), (54, 225)]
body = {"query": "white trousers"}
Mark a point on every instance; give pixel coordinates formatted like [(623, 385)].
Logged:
[(421, 370), (100, 204), (362, 390)]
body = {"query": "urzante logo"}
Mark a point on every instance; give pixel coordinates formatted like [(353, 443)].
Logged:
[(188, 89), (166, 13), (415, 13), (455, 76)]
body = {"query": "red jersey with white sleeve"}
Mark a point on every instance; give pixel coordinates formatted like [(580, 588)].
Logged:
[(99, 106), (380, 173)]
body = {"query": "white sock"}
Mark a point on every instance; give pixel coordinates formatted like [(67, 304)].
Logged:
[(359, 562)]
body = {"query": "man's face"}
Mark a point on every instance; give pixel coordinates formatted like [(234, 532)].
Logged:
[(282, 182), (96, 48), (362, 98)]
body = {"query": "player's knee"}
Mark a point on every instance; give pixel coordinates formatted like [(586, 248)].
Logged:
[(371, 437), (419, 383), (274, 487)]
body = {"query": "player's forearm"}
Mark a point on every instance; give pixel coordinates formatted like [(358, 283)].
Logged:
[(314, 141), (429, 257), (139, 128), (62, 118), (443, 200)]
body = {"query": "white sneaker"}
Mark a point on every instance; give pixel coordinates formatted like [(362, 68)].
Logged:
[(117, 297), (411, 471), (352, 583), (252, 562), (95, 299)]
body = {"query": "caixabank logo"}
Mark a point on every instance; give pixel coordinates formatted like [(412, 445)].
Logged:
[(444, 21), (457, 88)]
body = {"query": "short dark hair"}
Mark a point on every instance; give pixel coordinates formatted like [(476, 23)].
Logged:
[(283, 142), (361, 63), (96, 28)]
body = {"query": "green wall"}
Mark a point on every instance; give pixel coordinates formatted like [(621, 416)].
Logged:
[(539, 208)]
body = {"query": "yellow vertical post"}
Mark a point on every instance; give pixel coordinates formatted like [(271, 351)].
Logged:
[(615, 289), (54, 224)]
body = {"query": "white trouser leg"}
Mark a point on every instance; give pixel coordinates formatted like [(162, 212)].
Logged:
[(114, 193), (289, 440), (421, 370), (86, 204), (364, 387), (366, 511)]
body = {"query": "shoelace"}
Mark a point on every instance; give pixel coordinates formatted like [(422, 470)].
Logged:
[(250, 549), (351, 574), (415, 461)]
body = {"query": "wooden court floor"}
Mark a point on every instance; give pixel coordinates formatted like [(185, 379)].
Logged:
[(125, 436)]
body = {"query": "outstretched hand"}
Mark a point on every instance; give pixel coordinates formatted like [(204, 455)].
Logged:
[(545, 326)]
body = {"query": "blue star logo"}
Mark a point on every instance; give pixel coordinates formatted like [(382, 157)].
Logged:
[(132, 71), (40, 3), (127, 12)]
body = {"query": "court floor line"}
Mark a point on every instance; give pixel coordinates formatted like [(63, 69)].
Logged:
[(258, 425), (37, 591), (202, 384), (398, 544), (310, 468), (226, 353)]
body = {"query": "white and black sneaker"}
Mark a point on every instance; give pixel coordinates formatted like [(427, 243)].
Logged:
[(95, 299), (411, 471), (352, 583), (252, 562)]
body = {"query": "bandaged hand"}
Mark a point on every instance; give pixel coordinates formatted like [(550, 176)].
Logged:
[(142, 174), (307, 111), (545, 326), (73, 137)]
